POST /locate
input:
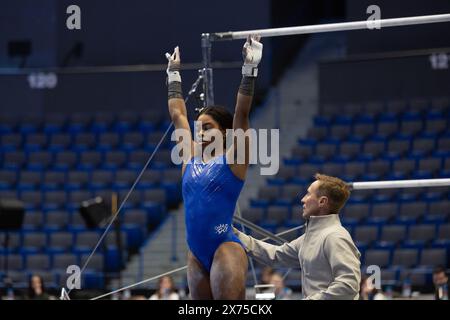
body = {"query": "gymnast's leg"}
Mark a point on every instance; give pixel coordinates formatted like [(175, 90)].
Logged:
[(228, 273), (198, 279)]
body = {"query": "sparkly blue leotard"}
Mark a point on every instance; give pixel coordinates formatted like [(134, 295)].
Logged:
[(210, 193)]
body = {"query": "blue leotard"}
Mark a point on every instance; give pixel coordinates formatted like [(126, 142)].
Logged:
[(210, 193)]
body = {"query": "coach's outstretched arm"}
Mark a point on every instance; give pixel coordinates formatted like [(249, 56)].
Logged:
[(284, 255)]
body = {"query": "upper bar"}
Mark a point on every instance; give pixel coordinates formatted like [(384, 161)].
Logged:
[(400, 184), (330, 27)]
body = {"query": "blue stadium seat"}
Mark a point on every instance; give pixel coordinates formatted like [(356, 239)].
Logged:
[(277, 215), (35, 141), (37, 262), (86, 241), (255, 215), (29, 180), (350, 150), (410, 212), (443, 146), (15, 261), (61, 239), (379, 257), (386, 129), (14, 160), (398, 147), (12, 141), (57, 220), (77, 179), (54, 200), (302, 152), (102, 122), (53, 180), (32, 199), (355, 213), (394, 234), (95, 263), (33, 220), (137, 159), (34, 241), (101, 179), (8, 179), (65, 160), (405, 258), (92, 280), (14, 242), (132, 141), (89, 160), (433, 257), (61, 261), (114, 160), (8, 123), (366, 234), (54, 123)]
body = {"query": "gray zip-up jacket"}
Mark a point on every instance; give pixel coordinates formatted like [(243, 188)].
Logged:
[(328, 258)]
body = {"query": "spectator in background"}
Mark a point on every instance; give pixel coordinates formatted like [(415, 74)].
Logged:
[(36, 289), (440, 281), (9, 286), (368, 291), (281, 291), (166, 290), (266, 275)]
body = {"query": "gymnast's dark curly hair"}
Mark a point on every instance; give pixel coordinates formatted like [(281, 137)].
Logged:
[(220, 114)]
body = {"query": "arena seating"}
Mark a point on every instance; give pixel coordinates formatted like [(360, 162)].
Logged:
[(406, 232), (54, 162)]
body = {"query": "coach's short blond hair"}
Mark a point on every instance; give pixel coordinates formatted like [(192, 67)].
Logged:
[(335, 189)]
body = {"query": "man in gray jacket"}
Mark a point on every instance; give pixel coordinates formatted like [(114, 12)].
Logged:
[(328, 258)]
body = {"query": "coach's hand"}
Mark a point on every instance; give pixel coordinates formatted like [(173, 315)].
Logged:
[(252, 54)]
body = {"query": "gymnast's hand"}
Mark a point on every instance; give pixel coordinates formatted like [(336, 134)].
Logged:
[(173, 66), (252, 53)]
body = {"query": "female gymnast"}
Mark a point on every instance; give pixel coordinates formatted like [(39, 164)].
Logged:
[(211, 184)]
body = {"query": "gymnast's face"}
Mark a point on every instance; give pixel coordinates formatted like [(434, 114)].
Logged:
[(206, 133), (311, 201)]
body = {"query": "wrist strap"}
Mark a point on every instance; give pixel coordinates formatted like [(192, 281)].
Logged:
[(249, 70), (173, 76), (175, 91), (247, 87)]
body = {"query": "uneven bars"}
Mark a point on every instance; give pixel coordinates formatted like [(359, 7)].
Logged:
[(331, 27), (258, 229), (399, 184), (183, 268)]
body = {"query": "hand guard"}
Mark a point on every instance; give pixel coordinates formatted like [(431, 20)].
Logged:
[(173, 66), (252, 53)]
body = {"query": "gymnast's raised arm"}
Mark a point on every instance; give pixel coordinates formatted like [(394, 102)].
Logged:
[(252, 53), (177, 107)]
